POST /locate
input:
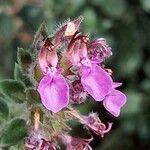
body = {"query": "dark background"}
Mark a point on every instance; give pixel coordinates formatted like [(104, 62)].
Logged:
[(126, 26)]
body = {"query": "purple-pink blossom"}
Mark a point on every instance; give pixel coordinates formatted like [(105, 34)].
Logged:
[(69, 69), (94, 79), (98, 50), (96, 82), (92, 122), (73, 143), (84, 59), (114, 100), (35, 141), (54, 91), (53, 88)]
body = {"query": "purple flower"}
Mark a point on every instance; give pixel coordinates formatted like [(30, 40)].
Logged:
[(54, 91), (36, 142), (76, 143), (114, 100), (98, 50), (53, 88), (95, 80), (93, 123)]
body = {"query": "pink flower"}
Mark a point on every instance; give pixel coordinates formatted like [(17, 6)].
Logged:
[(95, 80), (53, 88), (98, 50), (76, 143), (54, 91), (114, 100), (93, 123), (36, 142)]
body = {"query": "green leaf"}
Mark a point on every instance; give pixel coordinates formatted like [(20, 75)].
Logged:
[(24, 60), (32, 96), (13, 133), (4, 110), (13, 90), (18, 110), (19, 76)]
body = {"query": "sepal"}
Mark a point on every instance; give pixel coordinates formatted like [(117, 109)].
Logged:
[(32, 96), (24, 60), (19, 76)]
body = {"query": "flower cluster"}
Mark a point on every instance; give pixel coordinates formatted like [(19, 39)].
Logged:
[(76, 71), (36, 142), (72, 67)]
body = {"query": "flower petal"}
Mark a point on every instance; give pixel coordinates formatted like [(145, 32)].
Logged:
[(96, 82), (116, 84), (114, 101), (54, 92)]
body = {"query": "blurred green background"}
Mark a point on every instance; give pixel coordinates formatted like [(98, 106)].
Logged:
[(126, 26)]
